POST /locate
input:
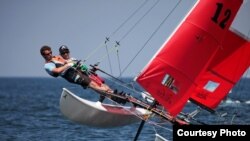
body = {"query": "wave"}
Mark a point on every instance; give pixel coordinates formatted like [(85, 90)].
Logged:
[(247, 102), (230, 101)]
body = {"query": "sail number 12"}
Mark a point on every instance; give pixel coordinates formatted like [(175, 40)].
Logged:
[(217, 14)]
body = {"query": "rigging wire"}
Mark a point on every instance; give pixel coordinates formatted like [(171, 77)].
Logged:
[(110, 66), (158, 125), (128, 18), (117, 54), (166, 128), (124, 85), (113, 33), (150, 37), (113, 48), (96, 49), (117, 43), (126, 34)]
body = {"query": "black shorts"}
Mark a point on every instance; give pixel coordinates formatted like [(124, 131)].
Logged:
[(75, 76)]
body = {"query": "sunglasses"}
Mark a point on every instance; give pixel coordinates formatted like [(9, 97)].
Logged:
[(46, 54), (65, 52)]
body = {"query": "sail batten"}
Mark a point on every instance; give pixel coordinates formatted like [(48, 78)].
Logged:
[(190, 64)]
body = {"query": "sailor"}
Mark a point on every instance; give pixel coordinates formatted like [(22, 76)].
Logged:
[(57, 66), (65, 54)]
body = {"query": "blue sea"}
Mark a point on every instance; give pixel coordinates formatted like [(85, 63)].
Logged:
[(30, 111)]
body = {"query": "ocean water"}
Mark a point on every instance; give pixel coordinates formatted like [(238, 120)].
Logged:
[(30, 111)]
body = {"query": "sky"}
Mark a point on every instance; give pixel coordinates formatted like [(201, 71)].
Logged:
[(83, 25)]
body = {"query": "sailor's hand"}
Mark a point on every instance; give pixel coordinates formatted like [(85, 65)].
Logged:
[(70, 64), (69, 61), (94, 69)]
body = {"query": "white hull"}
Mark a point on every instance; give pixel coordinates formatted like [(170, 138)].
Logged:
[(97, 114)]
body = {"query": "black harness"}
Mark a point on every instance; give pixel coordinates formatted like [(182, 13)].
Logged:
[(73, 75)]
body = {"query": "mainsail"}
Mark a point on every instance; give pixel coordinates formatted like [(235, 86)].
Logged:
[(195, 58)]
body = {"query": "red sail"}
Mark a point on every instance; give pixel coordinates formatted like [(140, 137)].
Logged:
[(171, 75), (226, 68)]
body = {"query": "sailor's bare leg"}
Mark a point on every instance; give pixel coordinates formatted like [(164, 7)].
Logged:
[(102, 88), (105, 88)]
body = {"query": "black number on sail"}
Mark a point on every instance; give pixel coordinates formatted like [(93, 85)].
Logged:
[(217, 13)]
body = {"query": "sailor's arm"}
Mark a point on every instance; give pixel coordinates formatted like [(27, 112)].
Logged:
[(62, 68)]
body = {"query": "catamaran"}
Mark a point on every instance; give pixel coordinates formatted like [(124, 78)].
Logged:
[(194, 64)]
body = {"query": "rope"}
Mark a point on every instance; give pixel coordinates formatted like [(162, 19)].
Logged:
[(150, 37)]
